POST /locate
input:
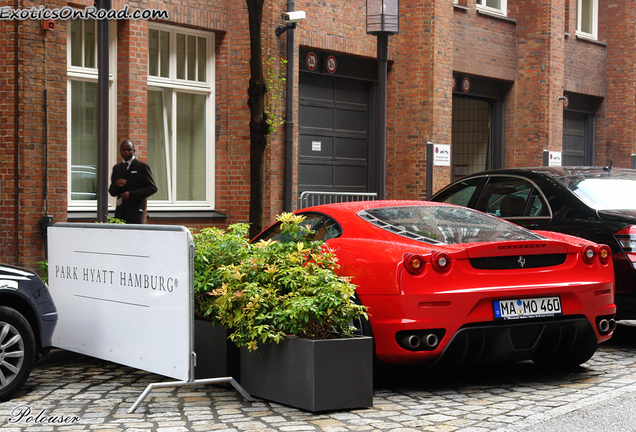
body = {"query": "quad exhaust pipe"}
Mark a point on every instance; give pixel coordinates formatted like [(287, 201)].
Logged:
[(606, 325)]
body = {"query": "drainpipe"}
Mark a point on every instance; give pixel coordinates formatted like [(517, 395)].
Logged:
[(102, 116), (383, 57), (16, 171), (289, 117), (47, 219)]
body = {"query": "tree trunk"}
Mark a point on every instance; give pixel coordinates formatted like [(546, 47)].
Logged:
[(259, 124)]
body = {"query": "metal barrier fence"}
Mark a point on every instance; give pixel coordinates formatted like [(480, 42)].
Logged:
[(312, 198)]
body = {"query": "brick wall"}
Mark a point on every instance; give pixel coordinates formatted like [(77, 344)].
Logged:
[(535, 49), (419, 96), (537, 113), (8, 138), (618, 130), (132, 88), (484, 45), (31, 62)]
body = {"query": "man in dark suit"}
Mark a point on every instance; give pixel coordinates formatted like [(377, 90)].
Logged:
[(132, 183)]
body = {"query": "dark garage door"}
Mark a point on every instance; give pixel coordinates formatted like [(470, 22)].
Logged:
[(574, 139), (334, 144)]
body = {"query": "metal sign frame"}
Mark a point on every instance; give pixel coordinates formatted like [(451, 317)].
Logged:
[(117, 287)]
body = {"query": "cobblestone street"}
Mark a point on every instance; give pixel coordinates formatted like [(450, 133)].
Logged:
[(89, 394)]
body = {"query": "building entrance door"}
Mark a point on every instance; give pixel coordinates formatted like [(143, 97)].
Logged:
[(471, 135)]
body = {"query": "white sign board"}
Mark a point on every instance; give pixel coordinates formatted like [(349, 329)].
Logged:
[(554, 158), (441, 155), (124, 294)]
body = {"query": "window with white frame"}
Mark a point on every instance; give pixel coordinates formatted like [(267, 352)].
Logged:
[(587, 18), (181, 117), (494, 6), (82, 76)]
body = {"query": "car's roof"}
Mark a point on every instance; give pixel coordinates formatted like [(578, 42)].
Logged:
[(564, 172)]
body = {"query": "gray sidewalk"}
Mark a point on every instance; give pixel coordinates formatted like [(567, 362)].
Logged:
[(87, 394)]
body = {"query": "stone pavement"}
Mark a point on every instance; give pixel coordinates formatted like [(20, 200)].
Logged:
[(85, 394)]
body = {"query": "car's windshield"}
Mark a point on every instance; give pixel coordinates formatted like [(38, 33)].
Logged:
[(606, 193), (445, 224)]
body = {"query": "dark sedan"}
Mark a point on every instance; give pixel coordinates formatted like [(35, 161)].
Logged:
[(595, 203), (27, 320)]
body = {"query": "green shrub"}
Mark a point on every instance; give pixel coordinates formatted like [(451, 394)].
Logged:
[(44, 271), (284, 288), (215, 248)]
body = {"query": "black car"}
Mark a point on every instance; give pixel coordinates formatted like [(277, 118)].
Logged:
[(27, 320), (596, 203)]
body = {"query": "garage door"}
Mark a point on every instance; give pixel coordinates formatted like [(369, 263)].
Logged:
[(335, 154), (574, 139)]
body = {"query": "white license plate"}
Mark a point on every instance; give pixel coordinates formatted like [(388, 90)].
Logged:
[(527, 308)]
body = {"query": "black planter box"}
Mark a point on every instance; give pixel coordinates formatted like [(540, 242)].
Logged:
[(322, 375), (217, 357)]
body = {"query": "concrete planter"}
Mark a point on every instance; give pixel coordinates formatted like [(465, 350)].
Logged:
[(322, 375), (216, 356)]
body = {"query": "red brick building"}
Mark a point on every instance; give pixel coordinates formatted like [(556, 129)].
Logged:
[(501, 81)]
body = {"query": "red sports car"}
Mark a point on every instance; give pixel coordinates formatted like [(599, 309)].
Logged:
[(453, 286)]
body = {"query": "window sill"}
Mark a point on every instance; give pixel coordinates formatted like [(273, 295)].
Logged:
[(494, 15), (590, 40), (461, 7), (182, 214), (82, 216)]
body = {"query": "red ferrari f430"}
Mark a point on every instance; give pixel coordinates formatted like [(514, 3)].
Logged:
[(452, 286)]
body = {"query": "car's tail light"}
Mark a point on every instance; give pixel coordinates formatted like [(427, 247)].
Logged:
[(440, 261), (413, 263), (589, 253), (626, 239), (604, 254)]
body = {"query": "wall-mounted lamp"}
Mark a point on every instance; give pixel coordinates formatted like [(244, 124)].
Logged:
[(290, 18), (561, 98), (383, 16)]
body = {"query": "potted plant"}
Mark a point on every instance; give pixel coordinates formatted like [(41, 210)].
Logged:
[(291, 314), (214, 248)]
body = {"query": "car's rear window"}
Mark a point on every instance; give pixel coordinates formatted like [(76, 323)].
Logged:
[(445, 224), (605, 192), (322, 226)]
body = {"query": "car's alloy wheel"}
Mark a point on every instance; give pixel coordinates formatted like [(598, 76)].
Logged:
[(17, 351)]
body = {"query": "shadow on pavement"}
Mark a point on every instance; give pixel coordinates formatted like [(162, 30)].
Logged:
[(624, 335)]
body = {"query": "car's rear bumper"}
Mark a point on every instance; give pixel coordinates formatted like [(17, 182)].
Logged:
[(542, 339), (451, 316)]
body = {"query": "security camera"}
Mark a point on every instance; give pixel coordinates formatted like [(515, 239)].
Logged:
[(293, 17), (290, 18)]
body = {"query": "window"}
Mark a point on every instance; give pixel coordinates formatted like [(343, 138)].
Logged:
[(180, 118), (323, 227), (494, 6), (82, 75), (461, 192), (510, 197), (587, 18), (444, 224)]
